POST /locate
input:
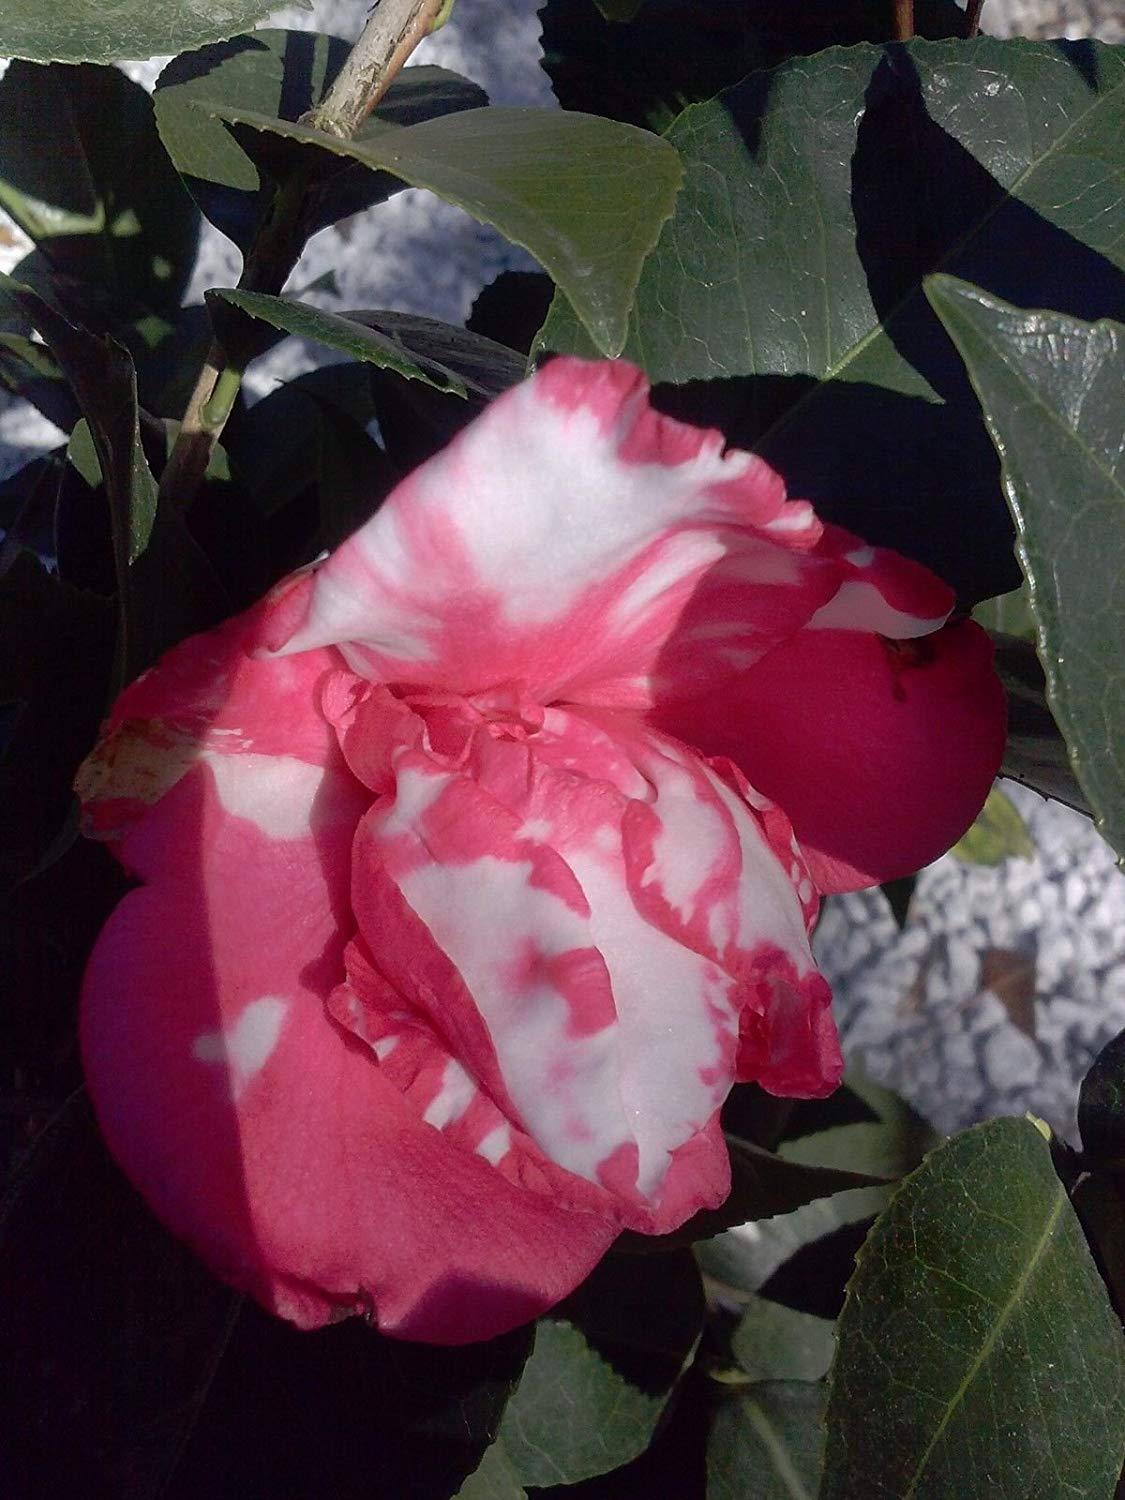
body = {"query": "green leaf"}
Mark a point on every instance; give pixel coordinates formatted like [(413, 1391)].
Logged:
[(175, 1385), (494, 1479), (165, 586), (1035, 754), (774, 1342), (977, 1338), (888, 1143), (1008, 614), (75, 31), (790, 273), (118, 219), (763, 1184), (899, 894), (619, 10), (450, 359), (672, 54), (1101, 1104), (999, 833), (282, 74), (603, 1368), (766, 1443), (1052, 388), (586, 196), (101, 373)]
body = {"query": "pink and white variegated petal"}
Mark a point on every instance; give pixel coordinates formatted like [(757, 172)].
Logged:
[(258, 1129), (881, 752), (576, 540), (717, 866), (212, 699)]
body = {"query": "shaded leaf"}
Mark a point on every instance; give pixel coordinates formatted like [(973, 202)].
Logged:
[(678, 52), (282, 74), (766, 1443), (603, 1368), (165, 586), (773, 1342), (494, 1479), (118, 219), (789, 275), (899, 894), (1101, 1103), (92, 1293), (75, 31), (977, 1338), (763, 1184), (450, 359), (1052, 389), (890, 1141), (1035, 754), (173, 1386), (586, 196), (999, 833)]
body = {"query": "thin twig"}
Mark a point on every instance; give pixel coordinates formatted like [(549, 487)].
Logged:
[(972, 16), (903, 20), (393, 30)]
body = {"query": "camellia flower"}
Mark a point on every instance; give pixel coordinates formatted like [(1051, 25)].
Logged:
[(479, 860)]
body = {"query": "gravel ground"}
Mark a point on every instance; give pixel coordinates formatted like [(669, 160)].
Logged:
[(1004, 982)]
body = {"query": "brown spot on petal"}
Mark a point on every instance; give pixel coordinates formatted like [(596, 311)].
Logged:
[(138, 762)]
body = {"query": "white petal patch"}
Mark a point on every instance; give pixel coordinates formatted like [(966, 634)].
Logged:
[(485, 914), (857, 605), (496, 1144), (244, 1048), (452, 1099), (274, 792)]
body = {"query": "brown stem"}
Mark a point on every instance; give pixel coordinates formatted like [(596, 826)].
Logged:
[(972, 16), (392, 32), (903, 20)]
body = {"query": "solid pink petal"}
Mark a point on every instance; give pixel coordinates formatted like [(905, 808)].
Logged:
[(882, 752), (573, 539), (262, 1132)]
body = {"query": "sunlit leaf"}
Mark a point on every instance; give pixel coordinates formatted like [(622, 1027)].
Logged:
[(977, 1337)]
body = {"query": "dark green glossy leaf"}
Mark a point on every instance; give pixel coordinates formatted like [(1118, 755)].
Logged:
[(763, 1184), (766, 1443), (789, 275), (450, 359), (1053, 390), (977, 1337), (586, 196), (602, 1371), (774, 1342), (1035, 754), (890, 1141), (165, 587), (1101, 1103), (282, 74), (678, 52), (90, 1289), (75, 31), (174, 1387), (899, 894), (118, 219), (999, 833)]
